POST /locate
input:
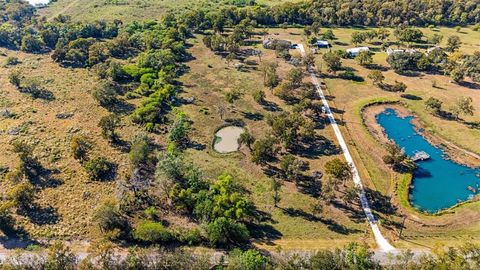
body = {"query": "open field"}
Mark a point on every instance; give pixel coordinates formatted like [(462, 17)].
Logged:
[(129, 10)]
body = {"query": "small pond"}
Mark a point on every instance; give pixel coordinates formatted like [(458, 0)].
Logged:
[(226, 139), (438, 182)]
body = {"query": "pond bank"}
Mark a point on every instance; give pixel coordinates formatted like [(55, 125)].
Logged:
[(438, 183)]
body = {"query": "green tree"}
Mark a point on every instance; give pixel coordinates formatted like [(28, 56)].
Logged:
[(338, 169), (98, 168), (105, 95), (397, 159), (15, 78), (463, 105), (291, 167), (140, 150), (246, 260), (364, 58), (377, 77), (246, 138), (263, 150), (270, 76), (276, 188), (108, 124), (333, 62), (151, 232), (79, 147), (109, 217), (32, 44), (179, 131), (408, 35), (295, 77), (22, 195), (226, 231), (436, 39), (259, 96), (434, 105), (60, 257), (457, 74), (358, 38), (453, 43)]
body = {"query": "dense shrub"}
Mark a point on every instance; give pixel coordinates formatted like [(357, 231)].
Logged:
[(151, 232), (98, 168)]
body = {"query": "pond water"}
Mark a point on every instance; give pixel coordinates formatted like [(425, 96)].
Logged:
[(438, 183), (226, 139)]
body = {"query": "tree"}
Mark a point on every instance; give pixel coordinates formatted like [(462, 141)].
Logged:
[(98, 168), (358, 37), (383, 34), (246, 139), (109, 217), (433, 105), (295, 77), (308, 60), (358, 257), (276, 188), (60, 257), (226, 231), (270, 76), (179, 131), (108, 124), (364, 58), (397, 159), (15, 78), (436, 39), (79, 147), (453, 43), (140, 150), (377, 77), (457, 74), (105, 95), (263, 150), (259, 96), (463, 105), (22, 195), (291, 167), (333, 62), (408, 35), (151, 232), (32, 44), (339, 170), (246, 260)]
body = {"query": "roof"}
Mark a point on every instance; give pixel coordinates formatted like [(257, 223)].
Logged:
[(358, 49), (322, 42)]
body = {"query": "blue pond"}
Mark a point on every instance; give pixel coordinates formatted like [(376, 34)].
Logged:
[(438, 183)]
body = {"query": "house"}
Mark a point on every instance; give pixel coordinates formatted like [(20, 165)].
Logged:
[(392, 51), (322, 44), (355, 51), (272, 44)]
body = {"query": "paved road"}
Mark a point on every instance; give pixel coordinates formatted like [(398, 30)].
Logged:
[(382, 243)]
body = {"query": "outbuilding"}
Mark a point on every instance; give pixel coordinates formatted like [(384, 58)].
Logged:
[(322, 44), (355, 51)]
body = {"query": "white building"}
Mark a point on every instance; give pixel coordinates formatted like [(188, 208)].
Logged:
[(355, 51)]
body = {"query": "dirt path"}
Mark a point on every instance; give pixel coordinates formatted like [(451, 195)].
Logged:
[(382, 243)]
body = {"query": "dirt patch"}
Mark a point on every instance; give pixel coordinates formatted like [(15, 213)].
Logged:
[(226, 139)]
